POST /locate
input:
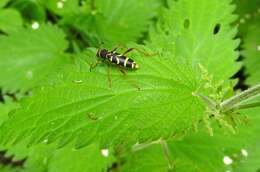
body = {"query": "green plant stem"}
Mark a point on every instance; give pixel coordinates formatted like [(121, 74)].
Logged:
[(246, 106), (165, 148), (239, 98), (139, 147), (209, 102), (166, 152)]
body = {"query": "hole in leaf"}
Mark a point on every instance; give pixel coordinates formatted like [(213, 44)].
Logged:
[(216, 29), (186, 23)]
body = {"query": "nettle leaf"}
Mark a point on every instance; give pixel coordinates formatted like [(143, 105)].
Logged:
[(10, 20), (151, 159), (248, 157), (3, 2), (82, 105), (5, 108), (200, 29), (127, 19), (44, 157), (244, 8), (248, 15), (29, 55), (154, 101), (62, 8), (249, 160), (86, 159), (201, 152), (8, 169), (30, 10), (37, 157), (251, 51), (196, 152), (113, 21)]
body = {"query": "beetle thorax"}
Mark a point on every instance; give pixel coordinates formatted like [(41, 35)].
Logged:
[(102, 53)]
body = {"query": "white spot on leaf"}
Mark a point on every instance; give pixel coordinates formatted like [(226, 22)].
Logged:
[(60, 4), (105, 152), (35, 25), (244, 152), (258, 48), (227, 160)]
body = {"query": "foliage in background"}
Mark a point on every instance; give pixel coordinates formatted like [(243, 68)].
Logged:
[(56, 115)]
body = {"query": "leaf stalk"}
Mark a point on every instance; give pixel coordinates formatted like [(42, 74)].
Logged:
[(236, 101)]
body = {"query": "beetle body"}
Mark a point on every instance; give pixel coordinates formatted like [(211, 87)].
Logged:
[(118, 59)]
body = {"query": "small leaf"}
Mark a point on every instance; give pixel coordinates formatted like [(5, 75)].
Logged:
[(5, 108), (148, 160), (29, 55), (251, 51), (3, 2), (249, 154), (199, 30), (30, 10), (63, 8), (10, 20), (44, 157), (86, 159), (114, 22)]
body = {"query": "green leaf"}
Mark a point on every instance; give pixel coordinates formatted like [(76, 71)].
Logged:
[(62, 8), (42, 157), (132, 109), (251, 160), (10, 20), (195, 152), (244, 8), (46, 157), (76, 108), (127, 19), (89, 110), (151, 160), (3, 2), (5, 108), (201, 152), (8, 169), (86, 159), (29, 55), (38, 157), (114, 21), (31, 10), (248, 14), (251, 51), (199, 30)]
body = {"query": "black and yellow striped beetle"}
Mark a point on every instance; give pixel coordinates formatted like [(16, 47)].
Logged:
[(118, 59), (113, 57), (121, 60)]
